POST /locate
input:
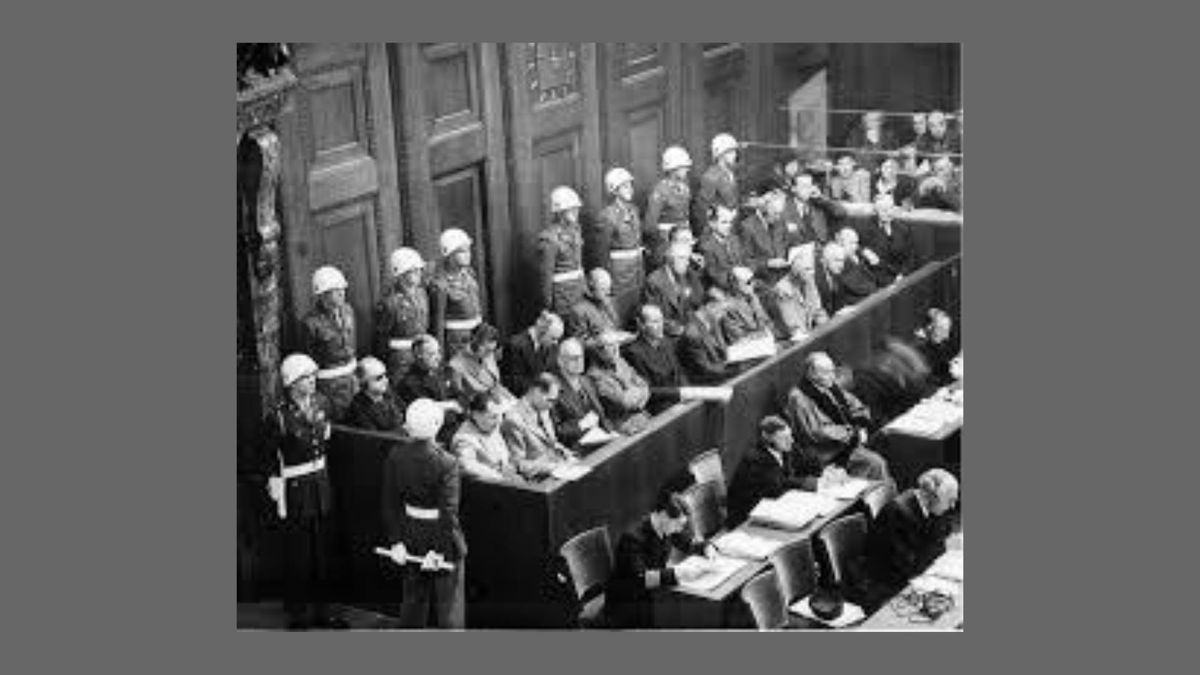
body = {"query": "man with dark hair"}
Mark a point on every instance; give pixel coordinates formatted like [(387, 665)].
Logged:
[(374, 406), (887, 244), (856, 281), (809, 215), (480, 447), (722, 251), (936, 342), (703, 352), (773, 468), (429, 378), (532, 351)]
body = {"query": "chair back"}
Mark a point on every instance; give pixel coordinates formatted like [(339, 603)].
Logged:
[(589, 559), (765, 600), (707, 467), (874, 500), (796, 569), (703, 507), (843, 544)]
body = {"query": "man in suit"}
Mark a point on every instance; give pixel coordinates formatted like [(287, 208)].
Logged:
[(532, 351), (795, 300), (595, 313), (578, 409), (856, 281), (480, 447), (652, 355), (887, 244), (722, 251), (676, 289), (745, 316), (622, 391), (764, 237), (529, 428), (936, 342), (421, 491), (808, 215), (828, 278), (773, 468), (702, 349), (910, 531), (374, 406), (832, 423)]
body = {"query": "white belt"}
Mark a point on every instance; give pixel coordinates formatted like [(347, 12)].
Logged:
[(303, 469), (343, 370), (400, 345), (667, 227), (626, 254), (568, 276), (461, 324), (419, 513)]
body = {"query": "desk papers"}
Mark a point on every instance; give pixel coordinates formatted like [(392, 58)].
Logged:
[(597, 436), (931, 417), (846, 490), (570, 471), (948, 566), (793, 510), (738, 544), (716, 571), (748, 349)]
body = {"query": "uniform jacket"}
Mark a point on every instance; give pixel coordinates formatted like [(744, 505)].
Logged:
[(403, 314), (482, 454), (293, 438), (639, 550), (702, 352), (423, 475), (591, 317), (560, 249), (422, 383), (718, 186), (572, 406), (455, 298), (761, 476), (815, 220), (677, 298), (522, 362), (745, 316), (618, 227), (669, 202), (329, 338), (761, 241), (470, 376)]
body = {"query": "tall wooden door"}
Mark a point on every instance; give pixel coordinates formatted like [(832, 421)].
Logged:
[(450, 112), (554, 132), (339, 190)]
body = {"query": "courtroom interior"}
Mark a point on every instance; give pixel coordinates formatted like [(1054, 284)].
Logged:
[(616, 336)]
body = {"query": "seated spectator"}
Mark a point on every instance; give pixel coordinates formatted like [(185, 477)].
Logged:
[(856, 280), (764, 237), (374, 407), (429, 378), (942, 139), (910, 532), (891, 182), (918, 132), (722, 251), (744, 315), (849, 183), (530, 352), (578, 408), (894, 379), (623, 393), (936, 342), (594, 313), (771, 469), (795, 299), (808, 215), (528, 427), (829, 285), (702, 349), (480, 446), (888, 247), (474, 369), (943, 189), (832, 423), (653, 355), (676, 289)]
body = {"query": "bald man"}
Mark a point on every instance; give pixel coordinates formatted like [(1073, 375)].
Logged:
[(910, 531), (595, 313), (830, 423), (532, 351)]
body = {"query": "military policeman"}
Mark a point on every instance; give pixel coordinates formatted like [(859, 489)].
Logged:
[(668, 206), (403, 313), (329, 339), (560, 252), (457, 309), (422, 485), (616, 243), (297, 432), (718, 185)]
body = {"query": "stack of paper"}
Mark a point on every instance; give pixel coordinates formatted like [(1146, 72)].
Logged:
[(750, 348), (793, 510), (713, 571), (739, 544), (597, 436), (929, 417), (849, 489), (948, 566), (570, 471)]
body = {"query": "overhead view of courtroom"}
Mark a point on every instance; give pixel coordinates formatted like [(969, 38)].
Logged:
[(607, 336)]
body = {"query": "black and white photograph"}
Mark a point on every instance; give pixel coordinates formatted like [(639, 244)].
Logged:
[(599, 336)]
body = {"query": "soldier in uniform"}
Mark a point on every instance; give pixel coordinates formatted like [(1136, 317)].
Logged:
[(329, 339), (297, 434), (560, 253), (719, 184), (422, 486), (456, 293), (614, 243), (668, 205), (403, 313)]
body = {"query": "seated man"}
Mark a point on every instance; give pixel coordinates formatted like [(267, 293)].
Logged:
[(910, 532), (653, 355), (429, 378), (594, 313), (765, 238), (856, 281), (850, 184), (622, 391), (530, 352), (809, 215), (702, 349), (646, 556), (894, 380), (374, 406), (474, 370), (831, 423), (528, 427), (829, 284), (479, 444), (888, 245), (722, 251), (773, 468), (936, 343), (795, 300), (943, 189), (675, 289), (745, 316), (578, 409)]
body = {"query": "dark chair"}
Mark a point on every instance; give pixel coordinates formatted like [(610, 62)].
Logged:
[(707, 467), (842, 549), (765, 600), (796, 568), (702, 504), (875, 499), (589, 559)]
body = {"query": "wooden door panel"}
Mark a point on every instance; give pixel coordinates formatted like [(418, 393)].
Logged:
[(646, 133), (347, 241), (640, 98), (461, 203), (558, 163)]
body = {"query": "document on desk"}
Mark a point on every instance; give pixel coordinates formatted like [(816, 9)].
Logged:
[(713, 571), (597, 436), (948, 566), (739, 544), (752, 348), (793, 510), (846, 490), (570, 471)]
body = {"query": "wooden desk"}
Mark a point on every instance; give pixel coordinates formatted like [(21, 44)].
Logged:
[(909, 454), (888, 618)]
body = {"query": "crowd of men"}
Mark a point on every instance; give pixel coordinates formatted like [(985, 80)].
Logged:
[(639, 311)]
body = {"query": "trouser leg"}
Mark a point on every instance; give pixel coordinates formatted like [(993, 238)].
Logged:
[(414, 607), (299, 566), (450, 597)]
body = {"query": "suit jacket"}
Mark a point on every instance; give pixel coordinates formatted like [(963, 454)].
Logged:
[(384, 415), (896, 252), (573, 405), (531, 437), (591, 317), (702, 353), (829, 287), (639, 551), (677, 298), (659, 366), (762, 241), (820, 219), (522, 362), (761, 476), (745, 316), (796, 306), (421, 474), (624, 395), (821, 423), (720, 257), (856, 283), (904, 541)]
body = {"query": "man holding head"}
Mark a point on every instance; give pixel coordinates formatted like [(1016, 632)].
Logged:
[(831, 423), (532, 351), (595, 313), (910, 532), (676, 289)]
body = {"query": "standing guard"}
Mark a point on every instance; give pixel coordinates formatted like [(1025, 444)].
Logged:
[(330, 339), (616, 243), (456, 294), (403, 313), (719, 184), (560, 251), (669, 205)]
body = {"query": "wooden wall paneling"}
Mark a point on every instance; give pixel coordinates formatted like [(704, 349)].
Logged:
[(637, 109), (410, 117), (501, 253)]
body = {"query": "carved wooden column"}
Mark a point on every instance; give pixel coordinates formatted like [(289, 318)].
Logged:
[(258, 109)]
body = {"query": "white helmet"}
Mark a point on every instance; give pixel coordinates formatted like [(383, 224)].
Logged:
[(723, 143), (454, 239), (675, 157), (423, 419), (296, 366), (327, 278), (404, 260), (615, 178), (563, 198)]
